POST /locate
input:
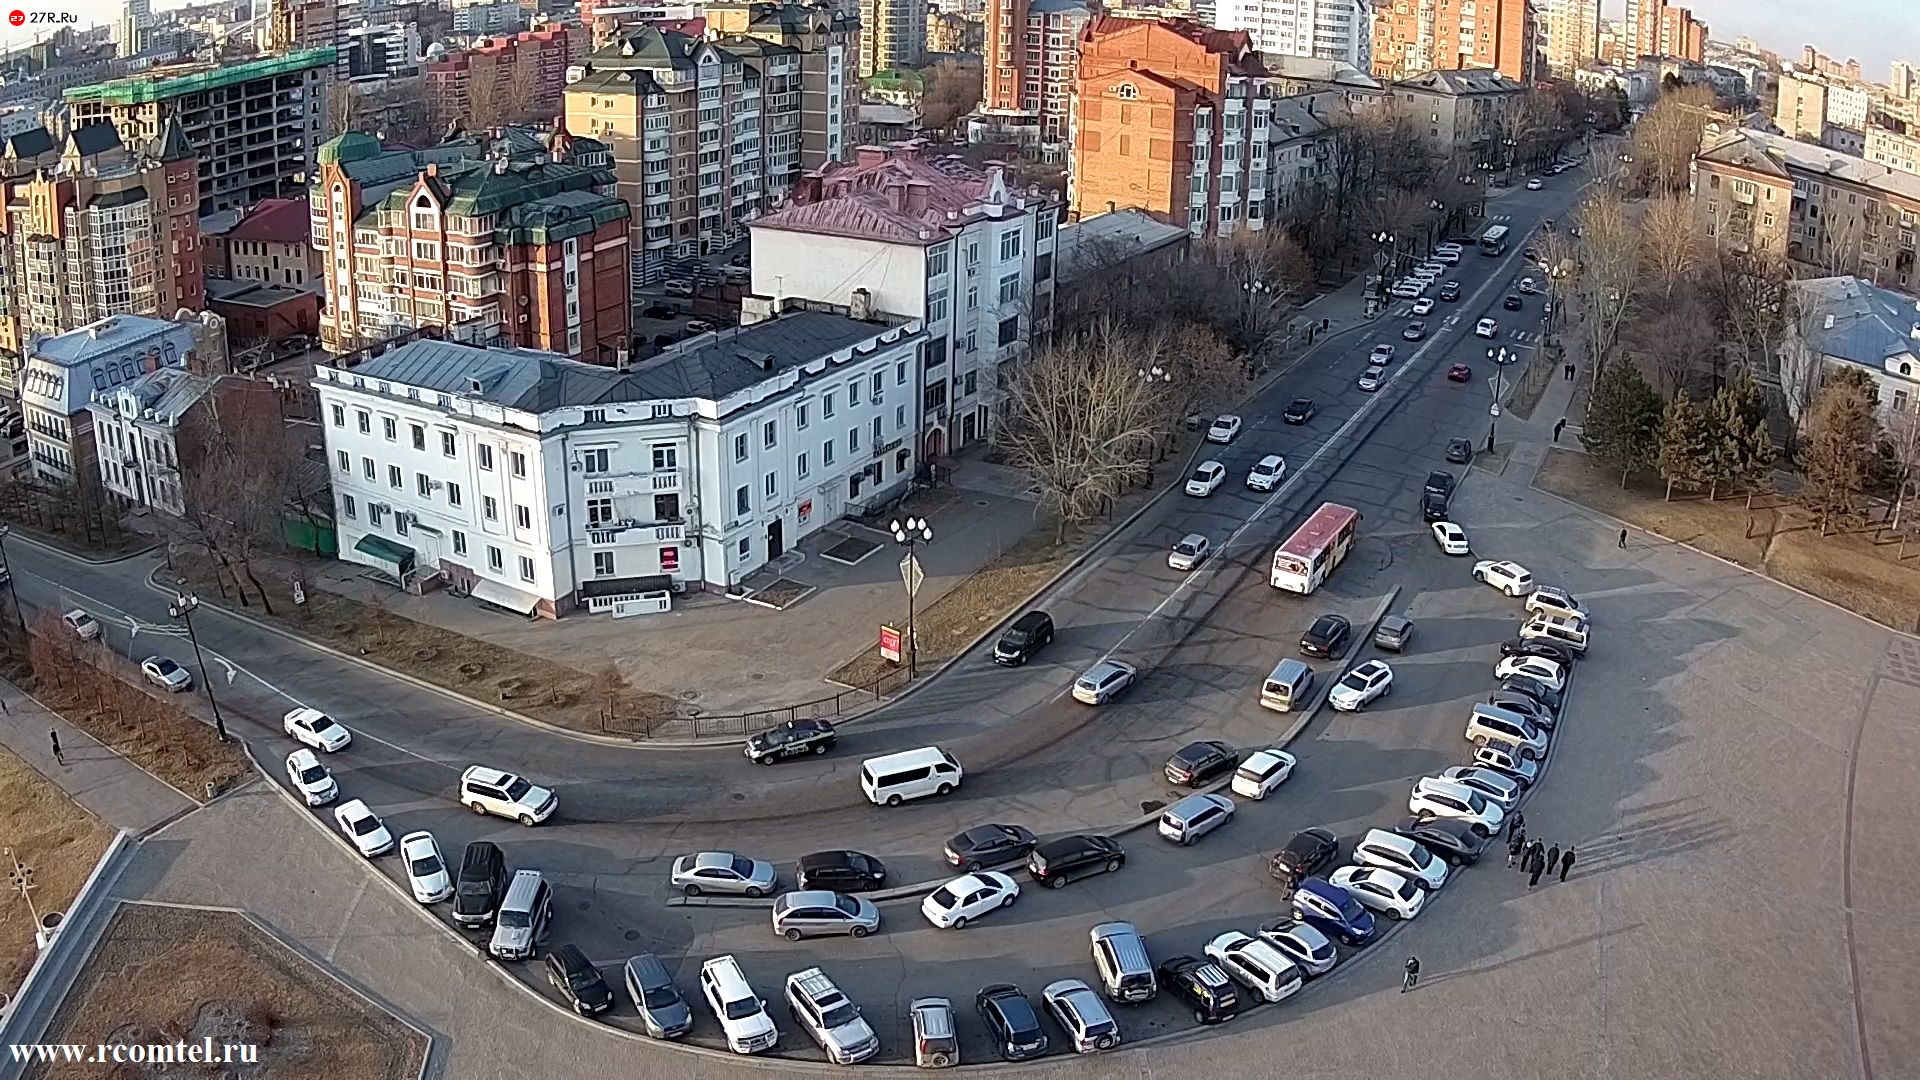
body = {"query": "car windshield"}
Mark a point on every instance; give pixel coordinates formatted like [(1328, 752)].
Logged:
[(742, 1008), (840, 1013), (424, 866), (1200, 475), (659, 997), (475, 887), (365, 825), (742, 868), (518, 789), (1186, 547), (847, 905), (516, 920), (1419, 856), (1354, 681), (1349, 907), (312, 774), (320, 722), (166, 667), (1014, 636), (584, 980)]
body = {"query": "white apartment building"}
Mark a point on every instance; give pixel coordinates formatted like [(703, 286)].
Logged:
[(63, 373), (544, 485), (136, 427), (1892, 149), (931, 240), (1329, 29)]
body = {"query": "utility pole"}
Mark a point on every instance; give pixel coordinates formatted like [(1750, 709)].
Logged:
[(182, 609)]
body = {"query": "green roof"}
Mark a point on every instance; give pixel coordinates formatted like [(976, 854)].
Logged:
[(351, 146), (145, 89)]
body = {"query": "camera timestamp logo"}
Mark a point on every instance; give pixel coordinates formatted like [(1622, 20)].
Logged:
[(41, 17)]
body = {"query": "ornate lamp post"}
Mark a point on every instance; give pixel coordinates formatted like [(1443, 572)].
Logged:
[(910, 534)]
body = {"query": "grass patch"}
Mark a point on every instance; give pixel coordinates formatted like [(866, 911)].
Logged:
[(1857, 569), (162, 975), (58, 838)]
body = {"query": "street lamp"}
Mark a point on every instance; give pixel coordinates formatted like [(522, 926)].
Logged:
[(1151, 376), (6, 566), (1498, 384), (1439, 209), (182, 609), (910, 534)]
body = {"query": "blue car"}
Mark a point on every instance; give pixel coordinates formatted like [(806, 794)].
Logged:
[(1333, 911)]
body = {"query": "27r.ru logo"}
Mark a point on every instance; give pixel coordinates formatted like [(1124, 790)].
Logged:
[(18, 17)]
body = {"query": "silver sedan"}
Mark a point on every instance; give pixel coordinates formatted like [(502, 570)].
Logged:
[(723, 872)]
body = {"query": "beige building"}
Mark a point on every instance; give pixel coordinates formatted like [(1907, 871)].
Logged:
[(893, 35), (1893, 149), (1571, 30), (1463, 114)]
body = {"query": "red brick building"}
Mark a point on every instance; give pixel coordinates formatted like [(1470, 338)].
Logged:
[(504, 79)]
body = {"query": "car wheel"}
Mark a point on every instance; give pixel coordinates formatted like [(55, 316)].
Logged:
[(893, 800), (1455, 860), (1057, 883), (1114, 865), (755, 892), (820, 749), (527, 820), (477, 808), (1395, 915), (1480, 576), (858, 931), (1008, 902), (691, 889), (768, 760), (941, 790), (1104, 1042), (793, 934), (1199, 1017), (1481, 830), (960, 923), (939, 1061), (970, 865)]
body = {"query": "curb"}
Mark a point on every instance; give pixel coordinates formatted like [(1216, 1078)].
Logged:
[(65, 552)]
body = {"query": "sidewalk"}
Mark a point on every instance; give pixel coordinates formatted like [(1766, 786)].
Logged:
[(114, 789)]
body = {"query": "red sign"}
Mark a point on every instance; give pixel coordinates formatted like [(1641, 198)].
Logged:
[(890, 644), (669, 559)]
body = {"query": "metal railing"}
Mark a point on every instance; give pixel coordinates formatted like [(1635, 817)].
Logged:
[(741, 725)]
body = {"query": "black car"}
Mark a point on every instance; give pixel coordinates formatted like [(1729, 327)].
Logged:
[(1459, 451), (1198, 763), (661, 311), (840, 871), (571, 973), (1512, 302), (1309, 852), (1326, 636), (1201, 984), (1028, 634), (989, 845), (481, 885), (1551, 650), (1299, 411), (1450, 291), (1535, 689), (1440, 482), (1012, 1019), (1516, 702), (1450, 838), (1070, 858), (1433, 507), (792, 739)]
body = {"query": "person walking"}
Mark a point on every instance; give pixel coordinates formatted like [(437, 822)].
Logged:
[(1535, 850), (1553, 859), (1559, 426), (1623, 538), (1514, 846), (1517, 823), (1413, 974), (1323, 326), (1519, 836), (1566, 862), (1536, 865), (54, 737)]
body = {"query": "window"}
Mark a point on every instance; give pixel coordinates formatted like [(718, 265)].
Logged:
[(446, 443), (419, 435), (937, 306), (603, 564), (879, 380), (937, 262), (364, 420), (826, 405), (800, 466), (453, 494), (936, 353), (424, 484), (972, 383), (389, 428), (346, 505), (1010, 330), (459, 542), (494, 561), (345, 459), (746, 547), (366, 467), (486, 457), (489, 508), (770, 433), (800, 416), (934, 396), (522, 516), (899, 375), (339, 416), (666, 458), (594, 461), (899, 417), (1009, 288), (853, 440), (772, 485), (1010, 245), (374, 514), (853, 391), (394, 478), (599, 512), (519, 462), (400, 524), (826, 452), (526, 568)]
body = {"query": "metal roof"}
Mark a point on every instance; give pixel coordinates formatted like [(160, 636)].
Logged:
[(158, 86), (1849, 319)]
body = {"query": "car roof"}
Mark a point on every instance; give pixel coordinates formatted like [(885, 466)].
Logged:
[(304, 757), (1395, 622), (711, 859), (726, 974), (1272, 459), (1262, 759), (818, 859), (1193, 538), (485, 775), (1031, 619)]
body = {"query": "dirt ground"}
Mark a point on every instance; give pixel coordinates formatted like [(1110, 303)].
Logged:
[(161, 975), (1859, 570), (54, 835)]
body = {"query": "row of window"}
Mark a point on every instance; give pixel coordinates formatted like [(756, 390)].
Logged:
[(377, 515), (417, 437)]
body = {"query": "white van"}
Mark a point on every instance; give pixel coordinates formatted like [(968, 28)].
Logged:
[(910, 774), (1288, 685)]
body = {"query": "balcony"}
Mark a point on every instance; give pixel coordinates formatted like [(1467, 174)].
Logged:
[(629, 531), (1745, 198), (634, 483)]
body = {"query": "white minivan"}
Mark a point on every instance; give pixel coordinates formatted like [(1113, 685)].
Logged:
[(909, 774)]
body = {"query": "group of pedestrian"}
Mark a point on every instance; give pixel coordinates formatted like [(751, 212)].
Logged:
[(1535, 859)]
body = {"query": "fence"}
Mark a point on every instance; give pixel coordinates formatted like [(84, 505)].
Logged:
[(740, 725)]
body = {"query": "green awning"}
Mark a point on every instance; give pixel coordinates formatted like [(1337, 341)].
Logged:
[(398, 556)]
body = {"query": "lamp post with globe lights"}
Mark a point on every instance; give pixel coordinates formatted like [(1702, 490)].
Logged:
[(182, 608), (1498, 384), (911, 533)]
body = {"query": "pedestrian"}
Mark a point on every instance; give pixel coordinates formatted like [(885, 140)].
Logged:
[(1520, 837), (1566, 862), (1517, 823), (1413, 974), (1559, 426), (54, 737), (1535, 850), (1323, 326), (1553, 858), (1536, 865), (1623, 538), (1514, 845)]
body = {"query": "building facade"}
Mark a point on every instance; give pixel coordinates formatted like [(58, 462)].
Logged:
[(1846, 322), (501, 80), (546, 486), (254, 126), (1327, 29), (1412, 36), (1892, 149), (272, 243), (1657, 28), (1030, 64), (1571, 30), (94, 227), (512, 241), (893, 35), (709, 132), (1463, 114), (136, 428), (930, 240)]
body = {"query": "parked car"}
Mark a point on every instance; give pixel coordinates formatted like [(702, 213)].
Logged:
[(1433, 507), (1089, 1025), (825, 1012), (791, 739), (1028, 634), (1308, 852), (1333, 911), (1452, 839), (1193, 817), (742, 1015), (1310, 950), (723, 872), (1509, 577), (1361, 686), (578, 981), (1372, 379), (1519, 646), (1512, 302), (1403, 855), (1450, 291), (480, 885), (1189, 552), (1502, 790), (1255, 964), (1224, 429), (1267, 472), (166, 674), (1459, 451), (1451, 538), (1299, 411), (362, 828), (82, 624), (818, 913), (1011, 1018), (1508, 762), (1200, 763), (964, 899), (1203, 986), (1538, 668), (1440, 482), (1103, 682), (989, 845), (840, 871), (1070, 858), (1554, 601), (491, 791), (1444, 798), (426, 870), (1326, 637), (1262, 773), (935, 1043), (1550, 696), (662, 1009), (310, 778), (1206, 479), (316, 729), (1414, 330), (1381, 890), (1393, 633)]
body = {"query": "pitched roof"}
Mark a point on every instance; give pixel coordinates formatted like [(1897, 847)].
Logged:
[(30, 143), (1463, 82), (1103, 240), (279, 221), (1850, 319), (1778, 155), (893, 194), (168, 392)]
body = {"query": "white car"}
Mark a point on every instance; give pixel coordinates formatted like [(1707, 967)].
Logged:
[(1206, 479), (723, 872), (1381, 355), (1224, 429), (82, 624), (1533, 667), (1261, 773), (1451, 538), (310, 778), (1423, 306), (166, 674), (1409, 288), (1509, 577), (1517, 767), (1554, 601), (1446, 258), (742, 1015), (1359, 687), (960, 901), (1269, 471), (490, 791), (1256, 965), (1082, 1014), (1404, 856), (1535, 184), (426, 870), (1190, 552), (361, 828), (1310, 950), (1381, 890), (1371, 378), (1529, 286), (316, 729), (1444, 798), (1486, 328), (1499, 787)]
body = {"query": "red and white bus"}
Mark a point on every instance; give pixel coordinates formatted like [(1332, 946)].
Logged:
[(1315, 548)]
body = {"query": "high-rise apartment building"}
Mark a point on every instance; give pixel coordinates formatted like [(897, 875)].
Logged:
[(1830, 111), (1412, 36), (1656, 28), (1571, 29), (130, 30), (1328, 29), (1031, 60), (1903, 81), (95, 227), (502, 80), (515, 240), (1177, 119), (893, 35), (253, 126), (708, 132)]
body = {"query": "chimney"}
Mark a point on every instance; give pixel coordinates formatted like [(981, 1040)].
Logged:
[(896, 195), (918, 192), (1111, 206), (861, 305), (869, 155)]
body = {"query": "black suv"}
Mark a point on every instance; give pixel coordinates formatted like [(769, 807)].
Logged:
[(571, 973), (792, 739), (1459, 451), (1512, 302), (1299, 411), (481, 885), (989, 845), (1326, 636), (1028, 634), (1440, 482), (1450, 291), (1195, 764), (1013, 1021), (1309, 852), (1201, 984), (1450, 838), (1069, 858), (1433, 507), (840, 871), (1551, 650)]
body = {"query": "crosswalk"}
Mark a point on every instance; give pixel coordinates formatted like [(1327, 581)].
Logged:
[(1524, 336)]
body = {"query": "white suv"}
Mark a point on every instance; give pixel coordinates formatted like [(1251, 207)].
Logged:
[(742, 1015), (1551, 601), (490, 791), (833, 1021), (1255, 964), (1509, 577)]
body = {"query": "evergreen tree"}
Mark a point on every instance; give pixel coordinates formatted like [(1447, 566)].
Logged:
[(1837, 446), (1687, 440), (1744, 443), (1622, 426)]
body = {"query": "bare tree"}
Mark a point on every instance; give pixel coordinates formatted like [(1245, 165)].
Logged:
[(1605, 275), (1668, 136), (1675, 341), (1751, 297), (950, 92), (489, 103), (1669, 243), (346, 107)]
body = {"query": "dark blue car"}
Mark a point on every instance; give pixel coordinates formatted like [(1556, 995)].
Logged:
[(1333, 911)]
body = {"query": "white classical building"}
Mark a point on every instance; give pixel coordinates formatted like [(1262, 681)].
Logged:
[(544, 485), (137, 428), (64, 372)]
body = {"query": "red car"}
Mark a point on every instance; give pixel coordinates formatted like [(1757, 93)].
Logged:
[(1459, 373)]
